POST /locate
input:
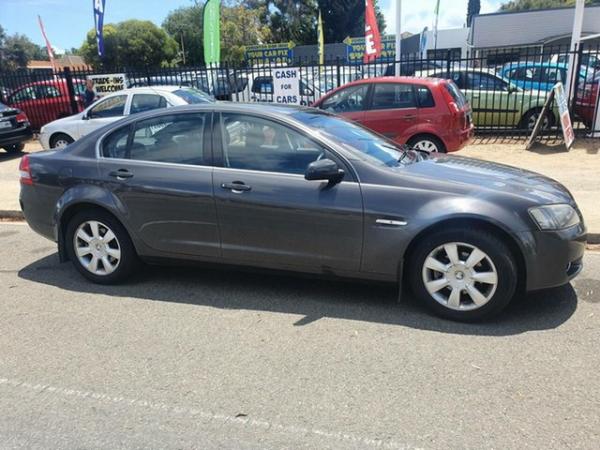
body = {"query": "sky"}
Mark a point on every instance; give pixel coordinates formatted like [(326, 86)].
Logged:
[(68, 21)]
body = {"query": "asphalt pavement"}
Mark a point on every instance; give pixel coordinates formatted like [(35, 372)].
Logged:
[(207, 358)]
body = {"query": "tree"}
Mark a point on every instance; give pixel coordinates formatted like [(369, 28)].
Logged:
[(526, 5), (132, 43), (472, 9), (17, 50), (343, 18), (240, 26)]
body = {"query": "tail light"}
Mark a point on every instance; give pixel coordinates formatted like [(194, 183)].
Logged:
[(25, 171), (21, 117)]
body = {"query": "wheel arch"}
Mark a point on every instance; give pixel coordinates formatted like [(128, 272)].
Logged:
[(55, 134), (468, 223), (68, 210)]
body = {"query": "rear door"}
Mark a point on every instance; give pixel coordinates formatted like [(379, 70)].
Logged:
[(160, 170), (392, 110)]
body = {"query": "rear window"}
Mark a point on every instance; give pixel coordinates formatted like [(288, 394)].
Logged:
[(455, 93)]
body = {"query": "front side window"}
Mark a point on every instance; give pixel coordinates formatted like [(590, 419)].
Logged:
[(176, 138), (347, 100), (393, 96), (147, 102), (253, 143), (110, 107)]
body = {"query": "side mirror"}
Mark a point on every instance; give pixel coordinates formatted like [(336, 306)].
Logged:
[(86, 116), (324, 169), (513, 89)]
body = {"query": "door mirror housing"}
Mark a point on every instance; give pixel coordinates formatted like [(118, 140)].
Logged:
[(512, 89), (324, 169)]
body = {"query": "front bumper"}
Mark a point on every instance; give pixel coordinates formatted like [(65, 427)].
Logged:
[(553, 258)]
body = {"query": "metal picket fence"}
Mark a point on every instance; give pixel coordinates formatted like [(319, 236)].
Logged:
[(506, 87)]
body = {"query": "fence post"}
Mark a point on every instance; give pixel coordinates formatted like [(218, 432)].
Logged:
[(448, 55), (337, 71), (574, 82), (71, 89)]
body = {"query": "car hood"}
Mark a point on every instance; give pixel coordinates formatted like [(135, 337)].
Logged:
[(64, 121), (468, 175)]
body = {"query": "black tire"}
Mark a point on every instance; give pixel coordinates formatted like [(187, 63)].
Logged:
[(15, 148), (60, 137), (498, 252), (441, 148), (128, 261), (530, 118)]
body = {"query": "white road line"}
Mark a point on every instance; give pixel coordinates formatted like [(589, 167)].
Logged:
[(42, 388)]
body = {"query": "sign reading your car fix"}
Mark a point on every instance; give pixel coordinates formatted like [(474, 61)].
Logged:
[(109, 83), (286, 85)]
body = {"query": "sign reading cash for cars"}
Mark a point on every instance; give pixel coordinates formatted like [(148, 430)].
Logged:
[(565, 119), (286, 85), (109, 83)]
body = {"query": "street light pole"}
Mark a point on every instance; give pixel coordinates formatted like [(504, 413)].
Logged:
[(398, 35)]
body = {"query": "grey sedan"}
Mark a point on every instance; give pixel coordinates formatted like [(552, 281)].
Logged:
[(302, 190)]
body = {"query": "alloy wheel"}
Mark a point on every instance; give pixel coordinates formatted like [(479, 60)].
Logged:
[(61, 143), (460, 276), (426, 145), (97, 248)]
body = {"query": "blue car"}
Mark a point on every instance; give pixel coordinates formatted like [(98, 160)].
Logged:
[(537, 76)]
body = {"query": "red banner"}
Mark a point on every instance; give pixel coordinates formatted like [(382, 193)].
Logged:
[(372, 36), (48, 46)]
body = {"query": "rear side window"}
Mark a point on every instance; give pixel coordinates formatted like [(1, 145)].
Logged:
[(393, 96), (425, 97), (175, 138), (147, 102), (455, 93), (263, 85)]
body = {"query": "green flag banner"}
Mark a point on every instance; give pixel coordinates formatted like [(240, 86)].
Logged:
[(212, 32)]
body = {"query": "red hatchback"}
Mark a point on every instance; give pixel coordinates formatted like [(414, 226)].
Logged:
[(46, 101), (426, 113)]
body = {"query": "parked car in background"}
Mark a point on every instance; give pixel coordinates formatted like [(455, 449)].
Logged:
[(259, 87), (431, 115), (45, 101), (536, 75), (302, 190), (587, 99), (15, 129), (110, 108), (589, 59), (496, 101), (409, 68)]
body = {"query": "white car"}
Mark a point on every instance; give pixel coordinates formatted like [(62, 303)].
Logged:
[(110, 108)]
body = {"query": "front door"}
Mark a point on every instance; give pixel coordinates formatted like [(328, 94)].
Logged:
[(160, 172), (393, 111), (349, 102), (269, 214), (102, 113)]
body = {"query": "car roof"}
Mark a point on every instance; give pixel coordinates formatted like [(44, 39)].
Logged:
[(412, 80), (535, 64), (163, 88)]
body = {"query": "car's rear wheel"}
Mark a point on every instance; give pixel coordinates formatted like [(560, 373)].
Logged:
[(464, 275), (60, 140), (99, 247), (427, 143), (14, 148)]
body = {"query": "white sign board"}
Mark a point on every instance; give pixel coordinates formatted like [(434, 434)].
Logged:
[(286, 85), (565, 118), (109, 83)]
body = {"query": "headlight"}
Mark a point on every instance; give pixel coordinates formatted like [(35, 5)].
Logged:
[(42, 130), (554, 217)]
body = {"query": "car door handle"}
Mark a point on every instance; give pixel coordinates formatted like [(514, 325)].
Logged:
[(237, 187), (121, 174), (413, 117)]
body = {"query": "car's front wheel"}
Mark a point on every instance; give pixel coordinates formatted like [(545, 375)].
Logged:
[(464, 275), (60, 140), (99, 247)]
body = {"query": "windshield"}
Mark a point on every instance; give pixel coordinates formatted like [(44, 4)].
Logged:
[(193, 96), (362, 143)]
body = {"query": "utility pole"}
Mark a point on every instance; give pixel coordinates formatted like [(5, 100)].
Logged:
[(398, 36), (182, 49), (575, 42)]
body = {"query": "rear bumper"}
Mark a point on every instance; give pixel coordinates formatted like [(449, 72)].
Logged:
[(553, 258), (455, 142), (37, 213), (15, 136)]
